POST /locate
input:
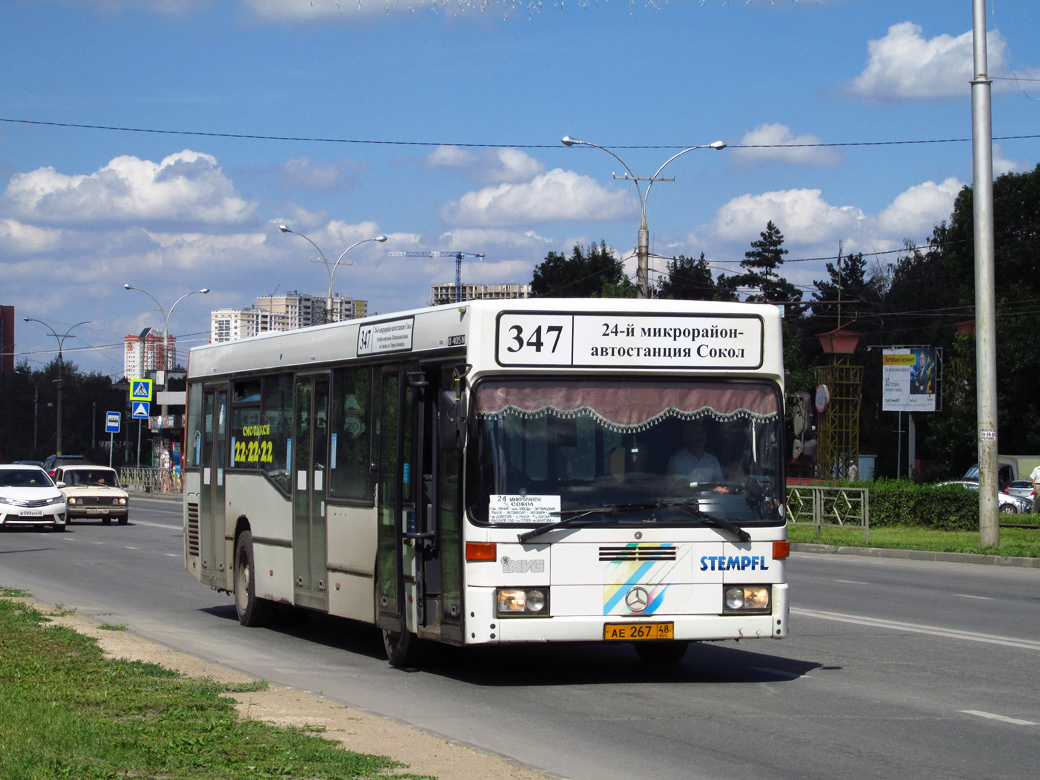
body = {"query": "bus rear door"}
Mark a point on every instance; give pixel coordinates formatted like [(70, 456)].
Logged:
[(310, 452)]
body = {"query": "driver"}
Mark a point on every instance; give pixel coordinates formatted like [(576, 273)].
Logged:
[(692, 463)]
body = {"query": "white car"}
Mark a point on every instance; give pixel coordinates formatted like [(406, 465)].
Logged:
[(93, 492), (1008, 504), (30, 499)]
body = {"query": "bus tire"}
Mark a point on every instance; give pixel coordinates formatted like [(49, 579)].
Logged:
[(252, 611), (661, 652), (402, 648)]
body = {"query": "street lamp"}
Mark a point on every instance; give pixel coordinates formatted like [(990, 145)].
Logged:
[(643, 242), (61, 370), (166, 337), (330, 268)]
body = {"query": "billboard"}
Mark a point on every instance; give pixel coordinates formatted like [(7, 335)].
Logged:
[(910, 377)]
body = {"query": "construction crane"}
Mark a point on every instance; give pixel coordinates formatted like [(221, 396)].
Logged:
[(458, 264)]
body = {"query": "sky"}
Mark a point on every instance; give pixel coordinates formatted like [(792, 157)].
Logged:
[(161, 143)]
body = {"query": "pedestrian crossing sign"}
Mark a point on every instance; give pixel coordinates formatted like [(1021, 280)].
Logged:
[(140, 389)]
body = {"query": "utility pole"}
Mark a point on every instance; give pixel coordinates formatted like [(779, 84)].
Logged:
[(985, 296)]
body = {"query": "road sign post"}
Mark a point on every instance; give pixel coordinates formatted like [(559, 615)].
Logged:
[(112, 428)]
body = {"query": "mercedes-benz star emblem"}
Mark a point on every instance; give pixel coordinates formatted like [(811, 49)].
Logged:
[(637, 599)]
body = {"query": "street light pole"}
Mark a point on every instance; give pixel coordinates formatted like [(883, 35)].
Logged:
[(166, 340), (643, 238), (61, 371), (330, 269)]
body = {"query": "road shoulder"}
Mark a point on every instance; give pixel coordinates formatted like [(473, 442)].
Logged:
[(356, 730)]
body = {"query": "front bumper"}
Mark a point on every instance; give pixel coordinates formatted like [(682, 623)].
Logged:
[(23, 517)]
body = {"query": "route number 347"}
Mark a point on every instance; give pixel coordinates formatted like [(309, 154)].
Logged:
[(540, 338)]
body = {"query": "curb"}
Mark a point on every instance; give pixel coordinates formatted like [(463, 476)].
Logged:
[(918, 555)]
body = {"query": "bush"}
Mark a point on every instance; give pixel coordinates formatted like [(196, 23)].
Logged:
[(897, 502)]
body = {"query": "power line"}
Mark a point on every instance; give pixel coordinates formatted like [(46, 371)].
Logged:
[(315, 139)]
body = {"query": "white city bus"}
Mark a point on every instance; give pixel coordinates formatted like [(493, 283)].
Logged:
[(499, 472)]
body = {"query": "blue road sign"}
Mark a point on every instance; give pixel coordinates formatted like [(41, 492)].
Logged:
[(112, 422), (140, 389), (140, 410)]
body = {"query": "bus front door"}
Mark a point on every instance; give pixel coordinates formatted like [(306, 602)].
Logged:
[(404, 533), (211, 456), (310, 539)]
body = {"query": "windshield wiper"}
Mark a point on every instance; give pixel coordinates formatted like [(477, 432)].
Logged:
[(689, 505), (570, 516)]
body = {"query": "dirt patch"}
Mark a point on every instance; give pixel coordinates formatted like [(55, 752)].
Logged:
[(356, 730)]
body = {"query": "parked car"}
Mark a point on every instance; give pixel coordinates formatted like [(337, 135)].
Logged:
[(1008, 503), (29, 498), (51, 462), (1023, 488), (93, 491)]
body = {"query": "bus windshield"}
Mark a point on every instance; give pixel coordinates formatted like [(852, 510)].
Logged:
[(628, 450)]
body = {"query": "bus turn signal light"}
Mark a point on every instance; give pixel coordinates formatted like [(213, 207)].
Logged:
[(481, 551), (781, 550)]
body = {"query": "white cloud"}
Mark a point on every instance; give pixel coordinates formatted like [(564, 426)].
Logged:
[(18, 238), (776, 143), (917, 211), (492, 166), (553, 196), (906, 66), (184, 187), (300, 173), (1003, 165), (324, 10), (803, 216)]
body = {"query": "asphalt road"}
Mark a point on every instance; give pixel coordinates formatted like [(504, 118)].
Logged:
[(892, 669)]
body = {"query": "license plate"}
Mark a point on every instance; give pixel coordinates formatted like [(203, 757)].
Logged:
[(97, 510), (628, 632), (31, 513)]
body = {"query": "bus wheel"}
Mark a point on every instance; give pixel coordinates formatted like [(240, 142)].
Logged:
[(402, 647), (660, 652), (252, 611)]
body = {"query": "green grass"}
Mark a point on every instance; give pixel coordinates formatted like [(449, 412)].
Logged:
[(1014, 542), (67, 712)]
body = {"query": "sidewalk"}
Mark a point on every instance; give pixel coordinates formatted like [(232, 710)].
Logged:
[(917, 555)]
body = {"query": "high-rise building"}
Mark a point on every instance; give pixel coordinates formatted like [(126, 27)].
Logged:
[(234, 324), (445, 293), (144, 354), (289, 311)]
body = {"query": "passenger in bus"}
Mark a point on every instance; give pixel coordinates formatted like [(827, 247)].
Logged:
[(692, 464)]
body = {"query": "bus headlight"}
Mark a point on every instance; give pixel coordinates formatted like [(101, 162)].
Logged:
[(522, 602), (747, 598)]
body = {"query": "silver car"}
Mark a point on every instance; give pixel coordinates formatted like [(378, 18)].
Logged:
[(1009, 504)]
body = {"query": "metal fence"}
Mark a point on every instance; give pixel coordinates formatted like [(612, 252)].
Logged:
[(149, 480), (824, 505)]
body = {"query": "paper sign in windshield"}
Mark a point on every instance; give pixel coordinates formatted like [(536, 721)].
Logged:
[(523, 509)]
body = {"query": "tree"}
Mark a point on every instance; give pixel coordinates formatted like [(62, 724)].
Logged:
[(761, 266), (687, 279), (592, 272), (848, 293)]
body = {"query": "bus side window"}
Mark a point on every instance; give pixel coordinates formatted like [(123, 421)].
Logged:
[(351, 431)]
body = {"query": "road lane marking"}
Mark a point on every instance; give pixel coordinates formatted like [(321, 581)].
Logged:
[(1001, 718), (967, 596), (917, 628), (853, 582)]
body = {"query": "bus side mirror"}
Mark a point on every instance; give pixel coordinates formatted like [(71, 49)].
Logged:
[(453, 408)]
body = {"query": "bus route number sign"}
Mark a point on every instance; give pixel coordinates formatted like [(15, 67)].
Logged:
[(535, 339)]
